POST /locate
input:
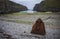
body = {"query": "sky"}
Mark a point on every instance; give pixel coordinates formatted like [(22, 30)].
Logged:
[(28, 3)]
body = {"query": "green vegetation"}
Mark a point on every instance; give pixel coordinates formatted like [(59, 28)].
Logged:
[(52, 3), (18, 21), (48, 6), (25, 13), (16, 17)]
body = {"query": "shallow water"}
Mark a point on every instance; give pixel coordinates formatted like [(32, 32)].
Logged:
[(29, 11)]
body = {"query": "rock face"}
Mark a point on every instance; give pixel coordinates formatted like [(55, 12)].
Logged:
[(39, 7), (9, 6), (42, 7), (38, 28)]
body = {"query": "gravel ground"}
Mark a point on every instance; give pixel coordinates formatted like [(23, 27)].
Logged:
[(17, 31), (22, 31)]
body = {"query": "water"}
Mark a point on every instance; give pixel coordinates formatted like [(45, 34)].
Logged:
[(29, 11)]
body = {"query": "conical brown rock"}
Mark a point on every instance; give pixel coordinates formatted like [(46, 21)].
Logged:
[(38, 27)]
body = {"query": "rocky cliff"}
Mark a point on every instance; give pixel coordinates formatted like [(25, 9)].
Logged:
[(9, 6), (42, 7), (39, 7)]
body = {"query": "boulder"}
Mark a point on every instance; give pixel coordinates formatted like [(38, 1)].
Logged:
[(38, 27)]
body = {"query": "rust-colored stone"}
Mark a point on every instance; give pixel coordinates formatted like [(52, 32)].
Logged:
[(38, 27)]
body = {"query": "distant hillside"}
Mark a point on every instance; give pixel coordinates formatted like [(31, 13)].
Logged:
[(9, 6), (47, 6), (52, 3)]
